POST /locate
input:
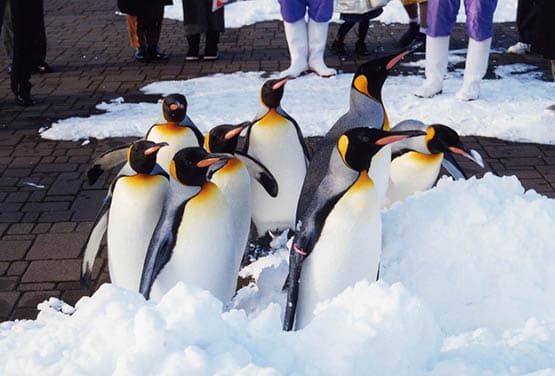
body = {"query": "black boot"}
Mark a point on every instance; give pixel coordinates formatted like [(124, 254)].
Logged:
[(193, 52), (360, 48), (211, 48), (154, 53), (338, 48), (23, 95), (410, 34), (140, 55)]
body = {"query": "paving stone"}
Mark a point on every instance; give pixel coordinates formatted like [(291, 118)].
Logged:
[(42, 228), (7, 301), (17, 268), (13, 249), (20, 228), (63, 227), (8, 283), (31, 299), (52, 270), (3, 267), (71, 297), (56, 246), (24, 314), (35, 286)]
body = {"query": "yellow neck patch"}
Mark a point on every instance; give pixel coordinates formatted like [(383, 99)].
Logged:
[(231, 166), (129, 154), (207, 142), (363, 182), (172, 170), (171, 128), (342, 146), (271, 118), (426, 158), (386, 126)]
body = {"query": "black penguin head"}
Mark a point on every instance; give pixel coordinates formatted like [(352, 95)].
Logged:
[(174, 108), (142, 155), (357, 146), (224, 138), (440, 138), (193, 165), (272, 92), (370, 77)]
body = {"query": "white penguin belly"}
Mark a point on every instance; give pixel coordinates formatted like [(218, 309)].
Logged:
[(412, 172), (379, 171), (134, 212), (177, 139), (233, 180), (277, 147), (347, 251), (203, 254)]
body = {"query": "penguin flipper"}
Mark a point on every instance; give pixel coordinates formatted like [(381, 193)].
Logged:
[(107, 161), (258, 171), (453, 167), (306, 152), (198, 134), (293, 280), (92, 245)]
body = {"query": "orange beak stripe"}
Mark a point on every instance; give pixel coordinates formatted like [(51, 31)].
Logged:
[(279, 84), (396, 59), (390, 139), (232, 133), (207, 162), (152, 150), (458, 151)]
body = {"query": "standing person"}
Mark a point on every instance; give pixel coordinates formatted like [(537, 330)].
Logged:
[(27, 16), (525, 22), (132, 32), (198, 18), (306, 41), (363, 20), (543, 36), (150, 14), (442, 15), (417, 27), (39, 64)]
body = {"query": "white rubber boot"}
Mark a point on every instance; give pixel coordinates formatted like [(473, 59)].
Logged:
[(437, 50), (317, 37), (475, 69), (297, 41)]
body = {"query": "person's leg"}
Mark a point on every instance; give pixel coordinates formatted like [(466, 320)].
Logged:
[(411, 8), (360, 45), (39, 59), (141, 54), (338, 45), (132, 31), (152, 32), (525, 22), (423, 10), (319, 14), (442, 15), (479, 26), (25, 17), (215, 27)]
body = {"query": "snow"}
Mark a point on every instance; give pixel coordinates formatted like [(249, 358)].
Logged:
[(244, 13), (478, 299), (512, 107)]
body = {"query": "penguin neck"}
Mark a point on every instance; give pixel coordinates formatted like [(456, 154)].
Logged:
[(361, 103), (172, 124), (417, 144)]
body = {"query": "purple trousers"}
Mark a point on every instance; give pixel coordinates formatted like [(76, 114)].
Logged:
[(442, 15), (294, 10)]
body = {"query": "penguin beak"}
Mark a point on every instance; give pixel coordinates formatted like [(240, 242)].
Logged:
[(234, 132), (471, 154), (395, 59), (176, 106), (155, 148), (280, 83), (214, 158), (398, 136)]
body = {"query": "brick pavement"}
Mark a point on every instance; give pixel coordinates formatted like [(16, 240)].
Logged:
[(47, 210)]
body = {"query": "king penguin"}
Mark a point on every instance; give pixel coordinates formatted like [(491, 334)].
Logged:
[(365, 110), (417, 161), (129, 214), (234, 179), (194, 241), (339, 233), (178, 132), (275, 139)]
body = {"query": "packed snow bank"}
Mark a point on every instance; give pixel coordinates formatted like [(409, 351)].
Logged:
[(467, 289), (244, 13), (512, 107)]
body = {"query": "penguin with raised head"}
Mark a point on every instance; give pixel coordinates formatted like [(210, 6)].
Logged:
[(365, 110), (416, 162), (178, 132), (129, 215), (275, 139), (194, 241), (234, 179), (338, 236)]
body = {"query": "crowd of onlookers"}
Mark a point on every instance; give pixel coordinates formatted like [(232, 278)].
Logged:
[(306, 32)]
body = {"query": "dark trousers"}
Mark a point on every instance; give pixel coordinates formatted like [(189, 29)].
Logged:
[(526, 20), (149, 26), (28, 16), (39, 43)]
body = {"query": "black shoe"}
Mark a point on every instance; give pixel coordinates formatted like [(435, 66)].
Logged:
[(42, 68), (193, 52), (360, 48), (154, 53), (410, 34), (140, 55), (338, 47), (24, 100)]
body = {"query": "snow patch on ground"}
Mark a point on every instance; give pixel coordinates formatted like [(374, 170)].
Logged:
[(512, 107), (467, 289)]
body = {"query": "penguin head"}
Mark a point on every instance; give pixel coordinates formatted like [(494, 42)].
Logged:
[(141, 155), (224, 138), (370, 77), (272, 92), (443, 139), (357, 146), (174, 108), (193, 165)]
